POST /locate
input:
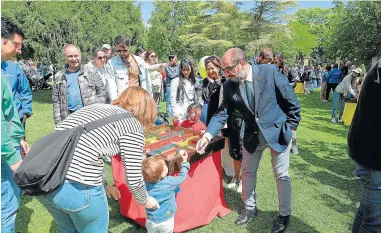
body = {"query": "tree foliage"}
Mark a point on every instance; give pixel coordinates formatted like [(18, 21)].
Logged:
[(48, 26)]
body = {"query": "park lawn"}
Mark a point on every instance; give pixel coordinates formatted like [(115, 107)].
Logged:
[(325, 193)]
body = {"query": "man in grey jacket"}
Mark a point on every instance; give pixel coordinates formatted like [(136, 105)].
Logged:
[(75, 87)]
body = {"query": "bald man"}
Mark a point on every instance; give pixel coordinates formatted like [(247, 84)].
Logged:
[(270, 110), (74, 86)]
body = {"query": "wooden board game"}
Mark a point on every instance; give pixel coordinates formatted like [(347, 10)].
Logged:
[(167, 140)]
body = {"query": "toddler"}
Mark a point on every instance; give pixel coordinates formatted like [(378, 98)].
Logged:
[(163, 188)]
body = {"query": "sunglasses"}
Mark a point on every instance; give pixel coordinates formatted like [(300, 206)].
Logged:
[(101, 58), (123, 51), (153, 55)]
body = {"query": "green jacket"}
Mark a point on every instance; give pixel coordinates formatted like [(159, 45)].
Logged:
[(11, 128)]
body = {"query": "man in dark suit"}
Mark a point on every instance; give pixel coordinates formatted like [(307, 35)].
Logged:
[(270, 110)]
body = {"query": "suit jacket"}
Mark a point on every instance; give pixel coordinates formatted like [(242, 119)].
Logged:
[(276, 112)]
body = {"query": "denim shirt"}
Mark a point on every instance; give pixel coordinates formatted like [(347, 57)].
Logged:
[(74, 93), (164, 192), (117, 75)]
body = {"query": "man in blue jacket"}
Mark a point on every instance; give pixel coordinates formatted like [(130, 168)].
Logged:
[(270, 110), (22, 95), (333, 80)]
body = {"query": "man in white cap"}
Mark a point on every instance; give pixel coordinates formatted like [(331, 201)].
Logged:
[(342, 91), (108, 51)]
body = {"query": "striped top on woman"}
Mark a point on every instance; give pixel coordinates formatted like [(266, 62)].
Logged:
[(124, 137)]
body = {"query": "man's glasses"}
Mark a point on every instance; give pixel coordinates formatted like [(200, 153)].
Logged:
[(123, 51), (230, 68), (16, 44), (101, 58)]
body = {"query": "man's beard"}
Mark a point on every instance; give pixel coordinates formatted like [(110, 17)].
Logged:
[(240, 76)]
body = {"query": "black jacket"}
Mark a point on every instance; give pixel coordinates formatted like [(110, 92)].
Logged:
[(364, 137)]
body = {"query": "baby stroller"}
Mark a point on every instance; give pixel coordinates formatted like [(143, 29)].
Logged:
[(36, 82)]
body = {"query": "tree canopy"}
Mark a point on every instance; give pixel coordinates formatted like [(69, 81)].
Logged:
[(198, 28)]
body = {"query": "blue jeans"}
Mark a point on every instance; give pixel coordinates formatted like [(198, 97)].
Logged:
[(78, 208), (204, 113), (368, 216), (167, 96), (10, 199), (338, 102)]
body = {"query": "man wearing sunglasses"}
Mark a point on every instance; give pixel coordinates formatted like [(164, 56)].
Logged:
[(125, 69), (270, 110), (75, 86)]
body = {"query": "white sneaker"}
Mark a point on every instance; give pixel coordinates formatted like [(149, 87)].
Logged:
[(340, 121), (333, 120), (294, 150), (239, 189), (233, 184), (325, 101)]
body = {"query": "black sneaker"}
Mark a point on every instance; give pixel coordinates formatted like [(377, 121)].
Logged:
[(246, 216), (280, 224)]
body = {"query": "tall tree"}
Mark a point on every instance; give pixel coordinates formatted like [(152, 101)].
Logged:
[(167, 24)]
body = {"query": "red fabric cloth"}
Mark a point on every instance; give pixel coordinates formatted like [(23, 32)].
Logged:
[(196, 126), (200, 200)]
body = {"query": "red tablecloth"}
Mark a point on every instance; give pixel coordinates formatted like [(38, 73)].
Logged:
[(200, 200)]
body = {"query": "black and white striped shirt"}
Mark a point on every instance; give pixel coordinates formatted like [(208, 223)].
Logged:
[(124, 137)]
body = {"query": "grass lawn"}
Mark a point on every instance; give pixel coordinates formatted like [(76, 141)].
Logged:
[(325, 194)]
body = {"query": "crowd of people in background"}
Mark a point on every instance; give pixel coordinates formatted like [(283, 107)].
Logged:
[(136, 83)]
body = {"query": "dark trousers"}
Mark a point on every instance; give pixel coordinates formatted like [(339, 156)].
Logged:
[(330, 86)]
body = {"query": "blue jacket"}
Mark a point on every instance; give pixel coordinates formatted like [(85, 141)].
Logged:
[(276, 110), (334, 76), (164, 192), (22, 95)]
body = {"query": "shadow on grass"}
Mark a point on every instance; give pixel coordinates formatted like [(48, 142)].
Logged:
[(42, 96), (24, 213), (265, 220), (335, 170)]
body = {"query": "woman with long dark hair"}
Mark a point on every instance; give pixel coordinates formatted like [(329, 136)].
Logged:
[(183, 91)]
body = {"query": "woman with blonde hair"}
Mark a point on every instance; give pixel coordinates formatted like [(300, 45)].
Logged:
[(80, 203)]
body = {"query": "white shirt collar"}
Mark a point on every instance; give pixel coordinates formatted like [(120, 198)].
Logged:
[(249, 75)]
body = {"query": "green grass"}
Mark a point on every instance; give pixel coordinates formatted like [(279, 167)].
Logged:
[(325, 194)]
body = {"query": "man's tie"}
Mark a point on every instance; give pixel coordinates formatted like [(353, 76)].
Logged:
[(250, 94)]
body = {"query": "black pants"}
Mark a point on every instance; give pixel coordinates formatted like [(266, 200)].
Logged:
[(329, 87)]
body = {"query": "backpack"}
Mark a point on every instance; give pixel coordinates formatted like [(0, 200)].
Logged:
[(45, 167)]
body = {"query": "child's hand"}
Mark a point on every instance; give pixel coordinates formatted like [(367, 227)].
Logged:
[(113, 192), (184, 155)]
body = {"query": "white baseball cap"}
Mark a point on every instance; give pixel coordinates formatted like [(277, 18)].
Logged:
[(106, 46)]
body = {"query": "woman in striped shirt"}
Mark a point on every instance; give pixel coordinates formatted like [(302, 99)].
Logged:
[(80, 204)]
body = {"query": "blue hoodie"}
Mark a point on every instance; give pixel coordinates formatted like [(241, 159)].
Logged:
[(334, 76), (22, 95)]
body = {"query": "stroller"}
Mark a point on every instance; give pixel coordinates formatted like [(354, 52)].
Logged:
[(37, 82)]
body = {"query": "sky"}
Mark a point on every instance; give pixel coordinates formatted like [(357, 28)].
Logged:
[(147, 6)]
